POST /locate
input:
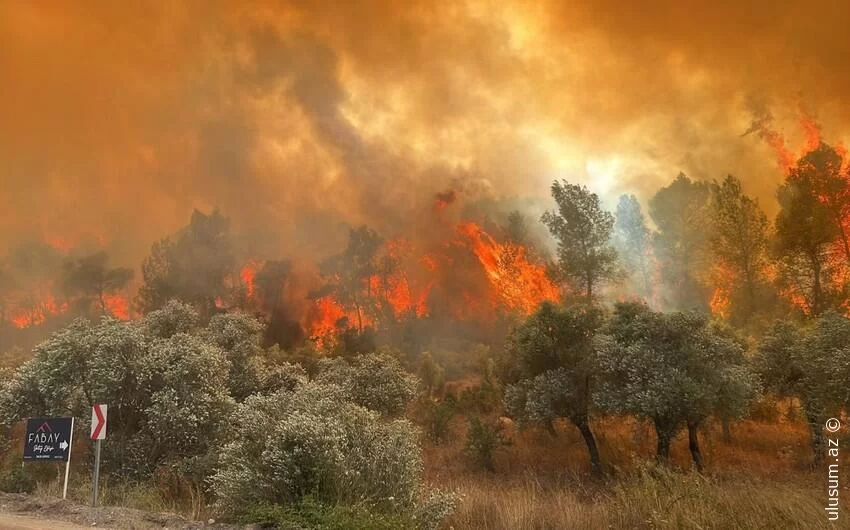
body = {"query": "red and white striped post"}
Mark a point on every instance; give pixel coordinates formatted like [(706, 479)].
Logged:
[(98, 433)]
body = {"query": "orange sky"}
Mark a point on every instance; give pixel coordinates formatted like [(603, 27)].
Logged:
[(298, 118)]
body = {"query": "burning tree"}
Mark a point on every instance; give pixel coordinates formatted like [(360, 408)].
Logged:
[(739, 244), (191, 266), (349, 274), (812, 232), (92, 280)]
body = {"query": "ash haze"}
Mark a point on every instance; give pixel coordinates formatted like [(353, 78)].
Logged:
[(299, 119)]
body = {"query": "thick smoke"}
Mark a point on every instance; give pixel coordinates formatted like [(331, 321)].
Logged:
[(299, 119)]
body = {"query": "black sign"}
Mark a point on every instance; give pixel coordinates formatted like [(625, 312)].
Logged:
[(48, 439)]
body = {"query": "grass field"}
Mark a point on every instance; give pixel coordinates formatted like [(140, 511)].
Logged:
[(762, 478)]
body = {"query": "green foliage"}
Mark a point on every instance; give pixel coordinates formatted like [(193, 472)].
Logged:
[(483, 439), (480, 399), (583, 231), (433, 375), (375, 381), (312, 441), (169, 384), (673, 369), (812, 364), (17, 480), (438, 417), (560, 341)]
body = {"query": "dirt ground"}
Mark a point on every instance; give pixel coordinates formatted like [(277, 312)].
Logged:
[(25, 512)]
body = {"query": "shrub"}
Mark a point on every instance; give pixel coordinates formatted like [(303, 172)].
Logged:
[(375, 381), (313, 443), (438, 417), (483, 440), (17, 480)]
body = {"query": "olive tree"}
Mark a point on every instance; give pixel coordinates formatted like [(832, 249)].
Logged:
[(550, 370), (672, 369), (812, 364)]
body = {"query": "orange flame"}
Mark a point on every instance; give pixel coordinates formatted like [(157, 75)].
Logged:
[(517, 283), (117, 305), (248, 274)]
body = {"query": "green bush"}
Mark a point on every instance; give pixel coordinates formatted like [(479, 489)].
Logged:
[(376, 381), (483, 440), (17, 480), (438, 417)]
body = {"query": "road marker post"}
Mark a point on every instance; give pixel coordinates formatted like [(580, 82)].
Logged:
[(98, 433)]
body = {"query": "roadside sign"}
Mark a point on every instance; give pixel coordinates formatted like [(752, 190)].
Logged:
[(48, 439), (98, 433), (98, 422)]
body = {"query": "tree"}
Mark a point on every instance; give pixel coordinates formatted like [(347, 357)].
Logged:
[(549, 369), (90, 278), (516, 230), (191, 266), (672, 369), (270, 284), (349, 272), (812, 364), (632, 240), (739, 243), (681, 214), (583, 231), (811, 237)]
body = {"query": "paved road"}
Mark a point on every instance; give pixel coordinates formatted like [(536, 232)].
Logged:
[(20, 522)]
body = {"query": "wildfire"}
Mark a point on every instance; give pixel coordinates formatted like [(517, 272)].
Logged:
[(517, 283), (247, 275), (117, 305), (36, 314)]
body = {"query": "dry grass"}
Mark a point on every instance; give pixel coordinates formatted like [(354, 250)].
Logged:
[(761, 479), (649, 498)]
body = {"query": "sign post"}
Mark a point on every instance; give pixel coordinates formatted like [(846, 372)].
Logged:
[(98, 433), (50, 439)]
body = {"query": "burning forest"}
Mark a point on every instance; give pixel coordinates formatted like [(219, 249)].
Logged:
[(385, 265)]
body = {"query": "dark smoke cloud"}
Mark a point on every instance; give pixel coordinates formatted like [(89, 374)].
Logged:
[(299, 119)]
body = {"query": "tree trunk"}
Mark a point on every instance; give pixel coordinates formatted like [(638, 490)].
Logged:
[(592, 450), (550, 428), (727, 428), (817, 289), (693, 445), (663, 450), (816, 428)]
